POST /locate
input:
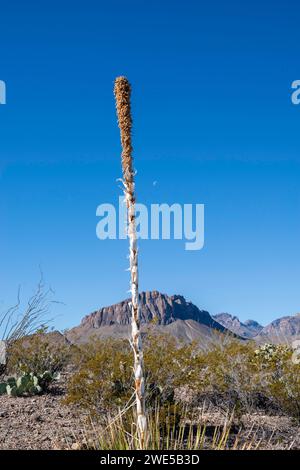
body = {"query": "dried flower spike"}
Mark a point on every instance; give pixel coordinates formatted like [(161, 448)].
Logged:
[(122, 92)]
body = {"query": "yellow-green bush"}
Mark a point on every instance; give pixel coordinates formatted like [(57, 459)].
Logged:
[(231, 374), (280, 377), (104, 375), (37, 354)]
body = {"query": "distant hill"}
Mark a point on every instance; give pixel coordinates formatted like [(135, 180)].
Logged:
[(248, 329), (282, 330)]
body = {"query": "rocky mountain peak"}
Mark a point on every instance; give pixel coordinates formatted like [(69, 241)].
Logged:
[(249, 329), (155, 306)]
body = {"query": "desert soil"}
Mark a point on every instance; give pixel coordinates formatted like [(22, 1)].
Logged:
[(44, 422)]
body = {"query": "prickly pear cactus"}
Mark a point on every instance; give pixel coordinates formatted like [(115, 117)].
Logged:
[(3, 388), (27, 384)]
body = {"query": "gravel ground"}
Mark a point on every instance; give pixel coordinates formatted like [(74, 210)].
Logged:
[(37, 423), (44, 422)]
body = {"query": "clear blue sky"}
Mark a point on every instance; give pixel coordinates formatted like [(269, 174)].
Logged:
[(213, 124)]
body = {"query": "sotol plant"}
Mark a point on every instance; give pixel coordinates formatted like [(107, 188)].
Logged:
[(122, 92)]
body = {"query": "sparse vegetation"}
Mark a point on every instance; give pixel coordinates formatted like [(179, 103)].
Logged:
[(34, 362), (103, 377), (187, 389), (36, 354), (17, 323), (119, 434), (233, 376)]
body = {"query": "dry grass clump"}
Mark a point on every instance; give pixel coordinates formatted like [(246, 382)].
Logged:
[(119, 433)]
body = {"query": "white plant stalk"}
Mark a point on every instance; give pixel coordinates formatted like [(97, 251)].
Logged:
[(122, 92)]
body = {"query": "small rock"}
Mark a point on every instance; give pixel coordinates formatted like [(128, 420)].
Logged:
[(75, 446)]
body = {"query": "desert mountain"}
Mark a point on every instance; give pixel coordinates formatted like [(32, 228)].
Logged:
[(248, 329), (182, 319), (172, 314), (283, 330)]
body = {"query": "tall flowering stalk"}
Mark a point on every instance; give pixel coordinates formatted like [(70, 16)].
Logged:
[(122, 91)]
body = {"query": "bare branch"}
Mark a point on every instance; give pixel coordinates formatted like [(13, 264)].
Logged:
[(15, 324)]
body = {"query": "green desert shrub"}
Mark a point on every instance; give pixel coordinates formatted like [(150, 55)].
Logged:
[(280, 377), (243, 377), (232, 375), (170, 365), (229, 378), (37, 354), (103, 379)]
